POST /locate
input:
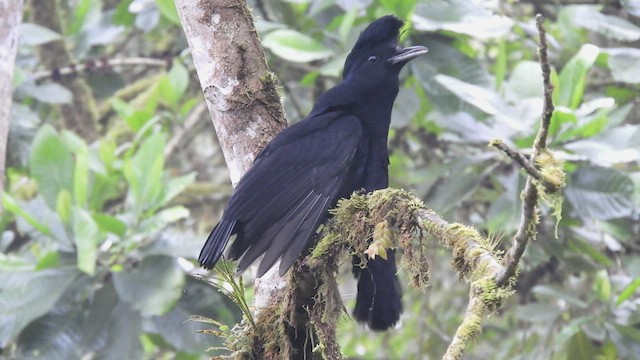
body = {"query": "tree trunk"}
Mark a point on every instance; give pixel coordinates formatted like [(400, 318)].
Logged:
[(239, 91), (11, 11)]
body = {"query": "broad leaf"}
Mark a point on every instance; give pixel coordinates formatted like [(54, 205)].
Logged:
[(175, 84), (87, 238), (612, 27), (123, 340), (168, 9), (175, 186), (50, 93), (143, 172), (558, 293), (34, 34), (615, 146), (108, 223), (600, 193), (25, 296), (152, 288), (459, 16), (573, 77), (624, 64), (51, 165), (294, 46)]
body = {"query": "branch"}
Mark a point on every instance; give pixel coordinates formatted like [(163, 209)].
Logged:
[(100, 64), (529, 219), (384, 216), (526, 164), (9, 33)]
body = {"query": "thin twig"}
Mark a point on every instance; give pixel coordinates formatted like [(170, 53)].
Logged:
[(541, 138), (92, 65), (526, 164), (529, 218)]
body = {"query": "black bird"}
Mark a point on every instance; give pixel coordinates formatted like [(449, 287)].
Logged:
[(341, 147)]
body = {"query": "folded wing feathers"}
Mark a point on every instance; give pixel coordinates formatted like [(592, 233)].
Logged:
[(216, 243)]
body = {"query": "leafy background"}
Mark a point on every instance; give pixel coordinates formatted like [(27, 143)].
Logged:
[(99, 234)]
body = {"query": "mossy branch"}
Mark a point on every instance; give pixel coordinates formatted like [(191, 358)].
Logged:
[(392, 218)]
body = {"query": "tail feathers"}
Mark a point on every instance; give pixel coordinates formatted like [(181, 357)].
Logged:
[(379, 299), (215, 244)]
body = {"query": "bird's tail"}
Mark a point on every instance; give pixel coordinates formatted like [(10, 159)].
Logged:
[(379, 299), (215, 244)]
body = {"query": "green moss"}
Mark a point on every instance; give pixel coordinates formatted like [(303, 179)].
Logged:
[(552, 170)]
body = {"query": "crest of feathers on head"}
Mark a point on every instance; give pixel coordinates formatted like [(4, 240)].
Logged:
[(384, 30)]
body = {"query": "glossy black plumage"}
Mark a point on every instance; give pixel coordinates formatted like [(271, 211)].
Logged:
[(341, 147)]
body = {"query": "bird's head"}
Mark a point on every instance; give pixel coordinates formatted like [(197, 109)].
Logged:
[(376, 53)]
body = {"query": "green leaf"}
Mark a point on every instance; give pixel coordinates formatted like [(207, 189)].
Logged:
[(168, 9), (462, 17), (602, 285), (78, 325), (628, 291), (122, 16), (624, 64), (173, 87), (110, 224), (87, 238), (50, 260), (107, 151), (558, 293), (11, 205), (11, 263), (294, 46), (480, 97), (562, 118), (57, 334), (585, 248), (525, 80), (50, 93), (136, 119), (154, 287), (25, 296), (143, 172), (63, 206), (34, 35), (600, 193), (573, 77), (81, 177), (537, 312), (124, 330), (588, 126), (613, 27), (500, 67), (175, 186), (614, 146), (50, 165), (80, 14), (172, 214), (580, 347)]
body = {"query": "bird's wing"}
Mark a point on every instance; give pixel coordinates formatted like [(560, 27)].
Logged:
[(284, 197)]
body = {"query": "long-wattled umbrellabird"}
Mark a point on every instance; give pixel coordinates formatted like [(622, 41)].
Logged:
[(341, 147)]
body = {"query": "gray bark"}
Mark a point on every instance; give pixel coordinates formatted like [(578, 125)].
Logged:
[(10, 21), (238, 88)]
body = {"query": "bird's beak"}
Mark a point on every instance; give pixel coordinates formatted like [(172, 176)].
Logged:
[(407, 54)]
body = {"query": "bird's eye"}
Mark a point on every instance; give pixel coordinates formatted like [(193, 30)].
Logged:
[(373, 59)]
